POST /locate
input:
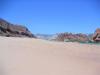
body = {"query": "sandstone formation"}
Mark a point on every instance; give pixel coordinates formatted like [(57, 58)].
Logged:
[(72, 37), (8, 29), (96, 35)]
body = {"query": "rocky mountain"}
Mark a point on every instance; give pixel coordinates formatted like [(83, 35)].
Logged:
[(72, 37), (96, 35), (12, 30)]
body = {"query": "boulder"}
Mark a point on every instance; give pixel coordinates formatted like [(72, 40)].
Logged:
[(96, 35)]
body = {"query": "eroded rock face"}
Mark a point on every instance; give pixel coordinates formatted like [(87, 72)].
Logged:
[(72, 37), (8, 29), (96, 35)]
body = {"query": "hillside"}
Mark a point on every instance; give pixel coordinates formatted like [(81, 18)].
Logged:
[(12, 30)]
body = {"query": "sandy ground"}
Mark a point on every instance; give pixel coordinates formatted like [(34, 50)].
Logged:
[(24, 56)]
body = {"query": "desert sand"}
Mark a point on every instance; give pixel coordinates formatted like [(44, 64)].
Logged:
[(28, 56)]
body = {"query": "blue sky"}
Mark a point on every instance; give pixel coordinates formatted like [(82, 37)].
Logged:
[(53, 16)]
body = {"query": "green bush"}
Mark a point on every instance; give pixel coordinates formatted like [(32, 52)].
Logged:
[(79, 41)]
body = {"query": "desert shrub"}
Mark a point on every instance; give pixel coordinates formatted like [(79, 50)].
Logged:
[(82, 42)]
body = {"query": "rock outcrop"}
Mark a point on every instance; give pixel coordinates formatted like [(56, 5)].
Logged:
[(11, 30), (96, 35), (72, 37)]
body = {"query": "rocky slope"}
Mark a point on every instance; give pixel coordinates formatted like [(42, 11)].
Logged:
[(69, 37), (72, 37), (11, 30), (96, 36)]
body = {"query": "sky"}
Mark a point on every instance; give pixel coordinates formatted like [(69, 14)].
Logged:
[(53, 16)]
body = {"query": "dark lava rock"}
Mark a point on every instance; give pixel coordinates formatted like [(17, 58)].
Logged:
[(11, 30), (96, 35)]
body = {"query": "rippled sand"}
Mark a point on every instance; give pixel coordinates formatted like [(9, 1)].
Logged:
[(25, 56)]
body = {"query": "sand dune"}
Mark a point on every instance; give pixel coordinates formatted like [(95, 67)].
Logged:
[(25, 56)]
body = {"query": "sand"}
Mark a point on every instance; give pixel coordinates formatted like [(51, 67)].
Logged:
[(28, 56)]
